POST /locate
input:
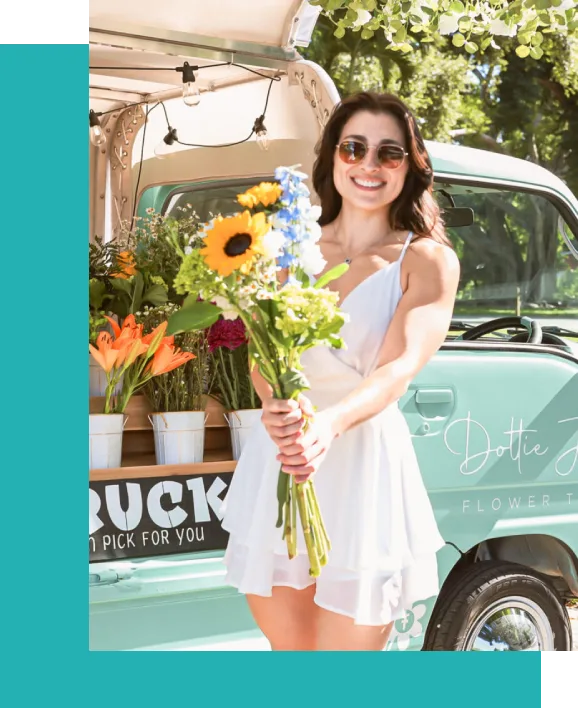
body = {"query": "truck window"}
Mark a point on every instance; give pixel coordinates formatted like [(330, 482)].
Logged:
[(514, 259)]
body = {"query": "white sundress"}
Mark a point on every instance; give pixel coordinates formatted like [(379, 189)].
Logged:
[(378, 516)]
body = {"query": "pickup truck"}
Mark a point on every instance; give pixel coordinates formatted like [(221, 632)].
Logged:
[(494, 415)]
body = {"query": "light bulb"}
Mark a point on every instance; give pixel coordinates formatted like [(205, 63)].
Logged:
[(97, 136), (262, 139), (191, 94), (164, 148)]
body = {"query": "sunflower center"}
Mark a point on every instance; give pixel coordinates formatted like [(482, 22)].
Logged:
[(238, 244)]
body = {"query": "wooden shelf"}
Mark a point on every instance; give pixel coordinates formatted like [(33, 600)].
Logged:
[(138, 456), (135, 465)]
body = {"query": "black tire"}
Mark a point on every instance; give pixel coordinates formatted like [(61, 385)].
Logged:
[(484, 585)]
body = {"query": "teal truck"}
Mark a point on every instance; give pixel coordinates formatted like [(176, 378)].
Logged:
[(494, 415)]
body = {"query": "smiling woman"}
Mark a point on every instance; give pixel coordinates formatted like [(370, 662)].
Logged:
[(374, 180)]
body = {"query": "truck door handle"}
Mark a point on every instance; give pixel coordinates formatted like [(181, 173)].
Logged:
[(434, 395)]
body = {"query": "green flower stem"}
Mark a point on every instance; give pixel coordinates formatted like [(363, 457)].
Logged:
[(225, 378), (268, 370), (315, 566), (293, 535)]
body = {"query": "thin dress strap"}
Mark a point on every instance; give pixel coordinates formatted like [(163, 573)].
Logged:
[(405, 245)]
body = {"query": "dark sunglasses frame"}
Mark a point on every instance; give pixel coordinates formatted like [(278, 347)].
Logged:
[(383, 159)]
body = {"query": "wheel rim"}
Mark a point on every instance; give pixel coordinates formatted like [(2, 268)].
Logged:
[(511, 624)]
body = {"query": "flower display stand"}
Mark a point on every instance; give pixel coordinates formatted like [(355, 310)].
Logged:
[(142, 509)]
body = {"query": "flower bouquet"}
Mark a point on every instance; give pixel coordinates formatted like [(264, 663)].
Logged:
[(235, 273), (228, 344), (178, 397), (135, 358)]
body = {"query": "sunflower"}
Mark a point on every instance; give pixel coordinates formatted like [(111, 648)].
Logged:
[(233, 242), (266, 193)]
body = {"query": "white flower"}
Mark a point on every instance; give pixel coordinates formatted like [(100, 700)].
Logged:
[(363, 17), (224, 305), (448, 24), (277, 223), (273, 244), (315, 212), (314, 231), (310, 258), (566, 5), (188, 250), (500, 28)]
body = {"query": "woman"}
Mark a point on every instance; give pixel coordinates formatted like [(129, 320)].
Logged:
[(374, 180)]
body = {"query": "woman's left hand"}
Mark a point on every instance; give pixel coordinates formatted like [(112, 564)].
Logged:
[(304, 457)]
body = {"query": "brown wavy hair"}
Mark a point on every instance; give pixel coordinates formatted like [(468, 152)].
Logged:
[(415, 209)]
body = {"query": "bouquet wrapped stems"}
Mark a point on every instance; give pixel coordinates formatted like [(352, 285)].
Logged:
[(294, 498)]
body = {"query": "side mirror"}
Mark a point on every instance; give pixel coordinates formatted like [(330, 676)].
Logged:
[(456, 217)]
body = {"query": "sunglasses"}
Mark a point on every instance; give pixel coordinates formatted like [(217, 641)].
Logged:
[(352, 152)]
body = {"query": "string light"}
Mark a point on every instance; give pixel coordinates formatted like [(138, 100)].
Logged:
[(97, 136), (163, 149), (261, 137), (191, 96), (191, 93)]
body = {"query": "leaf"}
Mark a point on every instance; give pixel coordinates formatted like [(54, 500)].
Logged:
[(406, 48), (458, 40), (137, 290), (400, 35), (332, 274), (199, 316), (156, 295), (190, 300), (523, 51), (536, 52), (471, 47), (486, 43), (292, 381), (339, 32), (96, 294), (121, 285), (465, 24), (457, 7), (524, 38), (367, 33)]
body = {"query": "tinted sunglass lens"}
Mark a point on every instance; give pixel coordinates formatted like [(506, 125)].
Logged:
[(351, 151), (390, 156)]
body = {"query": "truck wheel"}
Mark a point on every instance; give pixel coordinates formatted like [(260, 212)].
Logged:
[(499, 606)]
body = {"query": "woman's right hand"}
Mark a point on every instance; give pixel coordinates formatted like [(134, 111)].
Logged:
[(284, 419)]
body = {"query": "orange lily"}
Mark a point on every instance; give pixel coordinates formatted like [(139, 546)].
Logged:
[(147, 339), (103, 353), (166, 358), (127, 265)]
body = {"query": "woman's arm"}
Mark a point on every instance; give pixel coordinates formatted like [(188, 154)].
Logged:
[(417, 330)]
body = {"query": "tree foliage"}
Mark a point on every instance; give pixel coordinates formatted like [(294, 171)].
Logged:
[(473, 24)]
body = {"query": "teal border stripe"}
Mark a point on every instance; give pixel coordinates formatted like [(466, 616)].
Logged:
[(43, 575)]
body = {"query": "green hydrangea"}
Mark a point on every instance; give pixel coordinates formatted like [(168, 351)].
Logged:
[(309, 314)]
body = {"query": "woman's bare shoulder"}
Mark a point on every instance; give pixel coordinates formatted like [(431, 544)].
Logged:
[(425, 254)]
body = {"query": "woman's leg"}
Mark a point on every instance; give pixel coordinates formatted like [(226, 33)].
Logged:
[(337, 632), (287, 618)]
